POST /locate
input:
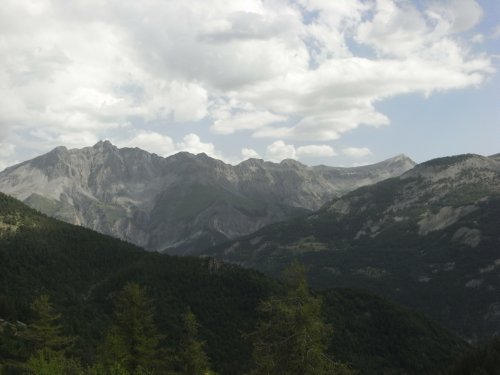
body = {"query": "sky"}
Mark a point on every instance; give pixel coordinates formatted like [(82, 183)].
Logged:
[(341, 83)]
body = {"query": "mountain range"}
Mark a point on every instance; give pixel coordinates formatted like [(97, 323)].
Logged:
[(423, 235), (183, 203), (428, 239)]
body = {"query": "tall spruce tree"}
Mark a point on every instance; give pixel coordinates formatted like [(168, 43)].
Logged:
[(291, 338), (45, 333), (133, 338), (47, 343), (191, 357)]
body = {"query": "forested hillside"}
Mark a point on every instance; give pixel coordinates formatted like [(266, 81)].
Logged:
[(83, 273), (428, 239)]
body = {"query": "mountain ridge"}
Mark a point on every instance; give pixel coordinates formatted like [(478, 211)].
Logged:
[(427, 239), (181, 202)]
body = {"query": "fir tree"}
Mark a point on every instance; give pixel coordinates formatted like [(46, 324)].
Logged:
[(53, 363), (192, 357), (45, 333), (133, 339), (291, 340)]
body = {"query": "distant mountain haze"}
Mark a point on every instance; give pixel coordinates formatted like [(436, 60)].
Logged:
[(182, 203), (429, 239)]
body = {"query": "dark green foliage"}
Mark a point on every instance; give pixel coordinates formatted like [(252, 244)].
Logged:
[(45, 333), (191, 357), (52, 363), (371, 239), (479, 361), (13, 350), (83, 271), (376, 336), (133, 339), (291, 338)]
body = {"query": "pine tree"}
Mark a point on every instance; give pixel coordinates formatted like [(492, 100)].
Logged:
[(45, 333), (192, 358), (291, 340), (50, 363), (133, 338)]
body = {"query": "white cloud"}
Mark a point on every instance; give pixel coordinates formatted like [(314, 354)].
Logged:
[(193, 144), (188, 101), (6, 149), (73, 72), (6, 153), (164, 145), (228, 123), (356, 152), (249, 153), (396, 28), (279, 150), (152, 142), (456, 15), (76, 139), (316, 151)]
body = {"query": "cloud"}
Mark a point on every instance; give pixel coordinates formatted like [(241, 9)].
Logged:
[(248, 153), (78, 71), (456, 15), (400, 29), (316, 151), (356, 152), (188, 101), (279, 150), (228, 123), (153, 142), (6, 153), (193, 144), (164, 145)]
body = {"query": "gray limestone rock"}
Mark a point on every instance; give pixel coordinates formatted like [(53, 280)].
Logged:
[(181, 203)]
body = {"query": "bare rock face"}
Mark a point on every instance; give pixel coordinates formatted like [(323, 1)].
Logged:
[(182, 202)]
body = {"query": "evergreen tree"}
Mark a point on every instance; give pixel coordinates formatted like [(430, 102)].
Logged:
[(45, 333), (291, 340), (13, 351), (53, 363), (133, 338), (192, 357)]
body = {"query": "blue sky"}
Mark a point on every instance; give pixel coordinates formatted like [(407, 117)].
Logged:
[(343, 82)]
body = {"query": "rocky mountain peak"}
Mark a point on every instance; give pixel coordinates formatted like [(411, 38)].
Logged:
[(495, 157), (460, 167), (292, 163), (398, 161), (183, 200), (104, 145)]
